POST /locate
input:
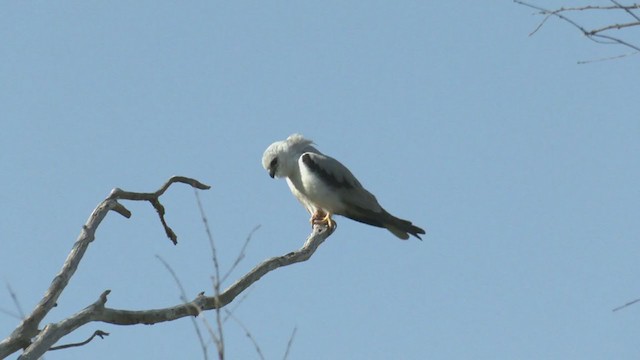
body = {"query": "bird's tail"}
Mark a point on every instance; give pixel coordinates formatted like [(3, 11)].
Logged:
[(402, 228), (398, 227)]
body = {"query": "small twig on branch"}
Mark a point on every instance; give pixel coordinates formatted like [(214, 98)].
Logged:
[(154, 197), (606, 58), (241, 255), (219, 339), (612, 27), (7, 312), (237, 303), (98, 312), (247, 333), (293, 335), (28, 329), (628, 9), (15, 300), (99, 333), (36, 341), (183, 298), (626, 305), (593, 35)]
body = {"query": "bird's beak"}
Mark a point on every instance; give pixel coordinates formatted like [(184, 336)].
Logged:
[(272, 173)]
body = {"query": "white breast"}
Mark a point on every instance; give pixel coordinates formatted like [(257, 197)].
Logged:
[(318, 192)]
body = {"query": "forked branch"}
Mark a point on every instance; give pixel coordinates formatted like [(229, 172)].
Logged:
[(600, 35), (36, 342)]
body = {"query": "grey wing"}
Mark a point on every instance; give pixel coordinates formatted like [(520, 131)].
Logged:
[(335, 175), (356, 202)]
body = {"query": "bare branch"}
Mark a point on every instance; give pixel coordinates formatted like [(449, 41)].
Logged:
[(36, 342), (7, 312), (293, 335), (241, 255), (99, 333), (247, 333), (628, 9), (614, 41), (183, 297), (98, 312), (154, 197), (627, 304), (237, 304), (607, 58), (16, 302), (596, 7), (55, 331), (614, 26), (219, 339), (595, 35), (28, 328)]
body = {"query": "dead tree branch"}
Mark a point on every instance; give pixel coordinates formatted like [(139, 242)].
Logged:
[(20, 315), (600, 35), (98, 333), (293, 335), (219, 338), (626, 305), (36, 341), (183, 298), (247, 333)]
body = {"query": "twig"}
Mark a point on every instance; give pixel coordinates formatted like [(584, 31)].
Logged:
[(212, 334), (16, 302), (593, 35), (98, 333), (29, 328), (219, 340), (237, 304), (607, 58), (98, 312), (154, 199), (241, 255), (628, 9), (293, 334), (614, 41), (36, 342), (247, 333), (7, 312), (627, 304), (612, 27), (183, 298)]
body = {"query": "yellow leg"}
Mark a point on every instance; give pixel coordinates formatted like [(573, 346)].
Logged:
[(316, 217), (319, 217), (329, 221)]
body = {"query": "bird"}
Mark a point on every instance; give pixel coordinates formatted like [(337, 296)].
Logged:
[(326, 187)]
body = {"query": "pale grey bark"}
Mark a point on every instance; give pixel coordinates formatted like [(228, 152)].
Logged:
[(36, 341), (611, 33)]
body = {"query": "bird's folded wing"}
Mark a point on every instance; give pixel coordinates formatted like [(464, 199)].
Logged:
[(337, 176)]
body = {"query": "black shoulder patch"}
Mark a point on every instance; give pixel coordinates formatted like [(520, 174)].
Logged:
[(323, 174)]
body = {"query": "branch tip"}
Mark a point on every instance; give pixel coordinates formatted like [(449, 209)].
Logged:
[(99, 333), (120, 209), (103, 297), (189, 181)]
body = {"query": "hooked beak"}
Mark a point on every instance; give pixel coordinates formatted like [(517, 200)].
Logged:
[(272, 172)]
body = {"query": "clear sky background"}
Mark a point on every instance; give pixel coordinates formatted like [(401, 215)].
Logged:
[(522, 165)]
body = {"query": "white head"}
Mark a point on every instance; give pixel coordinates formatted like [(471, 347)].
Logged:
[(281, 157)]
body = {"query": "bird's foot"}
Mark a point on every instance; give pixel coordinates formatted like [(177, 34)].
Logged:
[(321, 218), (317, 216)]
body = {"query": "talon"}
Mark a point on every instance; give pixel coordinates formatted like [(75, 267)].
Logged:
[(322, 218), (317, 217), (330, 223)]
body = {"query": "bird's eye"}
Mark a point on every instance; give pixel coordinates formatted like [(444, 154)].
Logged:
[(274, 162)]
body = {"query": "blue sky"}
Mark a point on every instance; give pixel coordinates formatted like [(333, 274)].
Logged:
[(522, 166)]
